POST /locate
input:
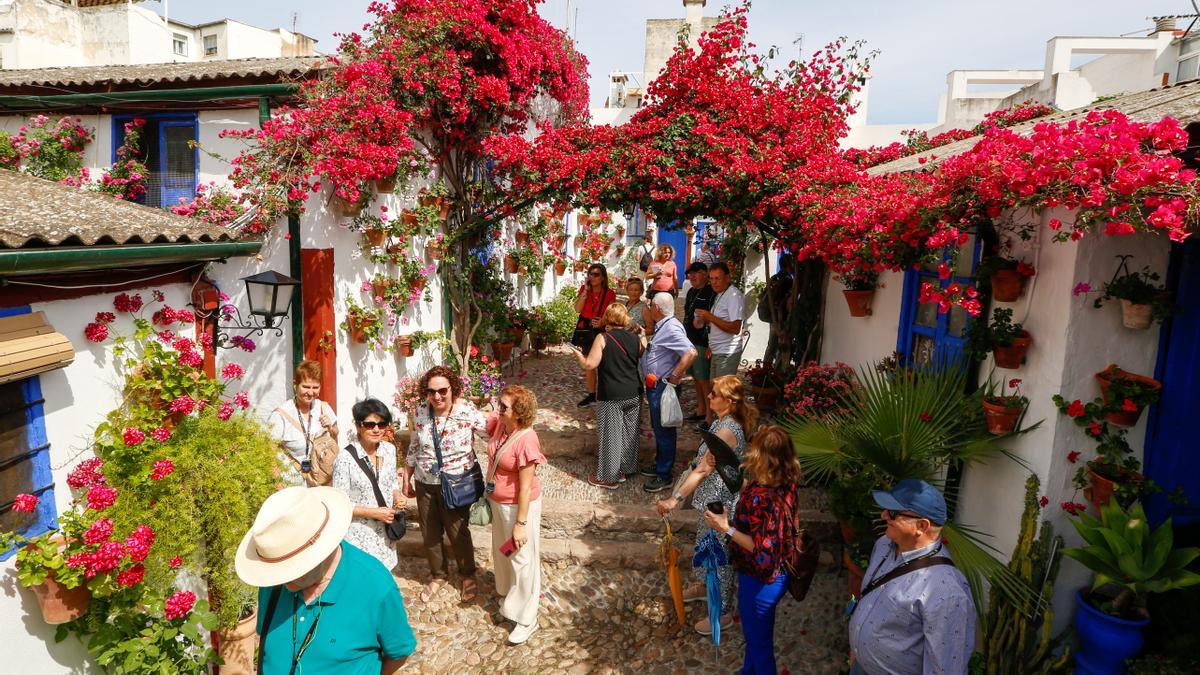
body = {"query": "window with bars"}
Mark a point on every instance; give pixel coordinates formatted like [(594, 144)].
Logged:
[(925, 335), (169, 155), (24, 456)]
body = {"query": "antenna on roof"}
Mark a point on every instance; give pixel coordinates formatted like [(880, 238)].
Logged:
[(295, 20)]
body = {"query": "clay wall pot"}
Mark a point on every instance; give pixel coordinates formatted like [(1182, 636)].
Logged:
[(1007, 285), (1000, 418), (385, 185), (60, 604), (346, 208), (560, 268), (358, 329), (1013, 355), (1137, 317), (510, 264), (1123, 418), (404, 346), (859, 301), (375, 236)]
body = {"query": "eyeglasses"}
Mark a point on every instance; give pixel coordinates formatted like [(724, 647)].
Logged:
[(437, 392), (502, 407), (713, 394), (373, 425), (894, 514)]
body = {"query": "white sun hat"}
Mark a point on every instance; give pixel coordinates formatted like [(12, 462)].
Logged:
[(295, 529)]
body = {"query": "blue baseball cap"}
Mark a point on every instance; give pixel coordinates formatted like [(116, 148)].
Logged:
[(916, 496)]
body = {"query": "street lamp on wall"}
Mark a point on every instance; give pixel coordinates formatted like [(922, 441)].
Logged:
[(270, 296)]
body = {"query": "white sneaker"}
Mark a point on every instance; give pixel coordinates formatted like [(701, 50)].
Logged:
[(521, 633)]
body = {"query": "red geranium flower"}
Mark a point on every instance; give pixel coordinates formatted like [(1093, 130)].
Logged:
[(1075, 409), (1095, 428), (1073, 456), (1044, 501), (25, 503), (178, 605), (1129, 406), (926, 417)]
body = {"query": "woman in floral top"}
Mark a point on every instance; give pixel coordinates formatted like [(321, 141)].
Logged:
[(457, 421), (763, 534)]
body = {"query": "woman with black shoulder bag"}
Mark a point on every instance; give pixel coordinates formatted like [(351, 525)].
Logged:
[(366, 472), (594, 298)]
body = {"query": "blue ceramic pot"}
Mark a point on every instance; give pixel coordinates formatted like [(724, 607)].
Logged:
[(1105, 642)]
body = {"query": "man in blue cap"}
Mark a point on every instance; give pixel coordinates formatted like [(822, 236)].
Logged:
[(915, 615)]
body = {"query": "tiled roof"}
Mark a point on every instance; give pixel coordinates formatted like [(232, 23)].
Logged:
[(36, 213), (1181, 101), (157, 73)]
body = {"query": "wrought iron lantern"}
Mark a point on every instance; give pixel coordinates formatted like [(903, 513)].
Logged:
[(270, 296)]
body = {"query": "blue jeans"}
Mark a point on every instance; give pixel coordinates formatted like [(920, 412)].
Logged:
[(664, 437), (756, 604)]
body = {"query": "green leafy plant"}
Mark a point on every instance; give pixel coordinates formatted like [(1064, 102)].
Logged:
[(1139, 288), (145, 643), (1114, 457), (1000, 395), (421, 338), (983, 336), (559, 317), (368, 320), (1129, 560)]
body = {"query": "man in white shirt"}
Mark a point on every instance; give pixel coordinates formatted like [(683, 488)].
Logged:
[(724, 322)]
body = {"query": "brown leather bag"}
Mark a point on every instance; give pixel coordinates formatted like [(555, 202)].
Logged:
[(323, 452), (801, 564)]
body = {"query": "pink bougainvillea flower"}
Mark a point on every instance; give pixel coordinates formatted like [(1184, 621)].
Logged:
[(179, 605), (133, 436), (96, 332), (1075, 409), (1081, 288), (25, 503), (162, 469), (100, 497)]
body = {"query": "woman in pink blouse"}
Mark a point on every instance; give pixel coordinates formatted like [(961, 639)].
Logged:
[(454, 421), (514, 452), (662, 273)]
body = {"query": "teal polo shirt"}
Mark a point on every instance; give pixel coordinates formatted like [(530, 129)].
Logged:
[(361, 622)]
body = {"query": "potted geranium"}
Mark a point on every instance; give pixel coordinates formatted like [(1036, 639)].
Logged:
[(347, 205), (375, 228), (818, 389), (1126, 394), (1114, 470), (434, 198), (363, 324), (860, 289), (1130, 561), (435, 247), (1143, 299), (1007, 341), (404, 345), (42, 561), (766, 384), (1003, 410), (1006, 276)]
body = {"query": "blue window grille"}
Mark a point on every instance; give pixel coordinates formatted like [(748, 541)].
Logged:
[(925, 335), (173, 164), (24, 455)]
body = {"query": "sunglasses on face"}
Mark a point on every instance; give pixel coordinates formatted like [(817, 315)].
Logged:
[(372, 425), (502, 407), (893, 514), (437, 392)]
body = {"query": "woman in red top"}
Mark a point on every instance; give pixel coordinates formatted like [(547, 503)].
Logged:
[(594, 297), (515, 495), (763, 534)]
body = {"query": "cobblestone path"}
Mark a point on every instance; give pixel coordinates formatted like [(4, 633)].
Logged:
[(605, 607)]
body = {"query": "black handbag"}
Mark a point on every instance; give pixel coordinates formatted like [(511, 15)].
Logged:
[(458, 491), (396, 529), (585, 334)]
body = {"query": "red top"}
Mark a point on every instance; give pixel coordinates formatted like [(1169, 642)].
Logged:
[(525, 451), (767, 514), (594, 306)]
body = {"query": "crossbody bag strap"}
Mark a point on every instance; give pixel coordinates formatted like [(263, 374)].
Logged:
[(370, 474), (437, 439), (910, 566), (262, 649), (496, 460), (619, 346)]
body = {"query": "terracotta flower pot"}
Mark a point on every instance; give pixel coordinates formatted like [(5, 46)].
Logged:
[(510, 264), (1137, 317), (439, 203), (560, 268), (379, 288), (765, 397), (358, 328), (522, 238), (419, 284), (60, 604), (537, 342), (1101, 489), (859, 301), (435, 251), (1001, 419), (1123, 418), (1013, 355), (237, 647), (346, 208), (620, 233), (409, 218), (404, 346), (854, 575), (375, 236), (502, 350), (1007, 285), (385, 185), (518, 334)]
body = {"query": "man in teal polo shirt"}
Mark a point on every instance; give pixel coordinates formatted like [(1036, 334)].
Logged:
[(324, 606)]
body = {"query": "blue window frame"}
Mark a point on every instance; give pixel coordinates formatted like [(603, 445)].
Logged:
[(926, 335), (24, 455), (173, 164)]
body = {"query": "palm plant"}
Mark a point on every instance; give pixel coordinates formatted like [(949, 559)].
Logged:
[(916, 423)]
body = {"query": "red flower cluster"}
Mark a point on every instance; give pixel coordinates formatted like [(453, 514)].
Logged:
[(138, 543), (1074, 508), (232, 371), (161, 434), (167, 316), (100, 497), (184, 404), (86, 474), (179, 605), (132, 576), (99, 532), (96, 332), (162, 469), (25, 503), (133, 436), (128, 303)]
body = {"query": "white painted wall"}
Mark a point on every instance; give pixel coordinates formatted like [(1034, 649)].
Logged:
[(860, 341)]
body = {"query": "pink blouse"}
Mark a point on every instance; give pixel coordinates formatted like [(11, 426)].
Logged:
[(666, 277), (525, 451)]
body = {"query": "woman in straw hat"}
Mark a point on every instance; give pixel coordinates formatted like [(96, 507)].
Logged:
[(324, 606)]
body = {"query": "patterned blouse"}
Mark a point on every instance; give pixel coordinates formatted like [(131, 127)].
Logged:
[(768, 515), (349, 477), (457, 433)]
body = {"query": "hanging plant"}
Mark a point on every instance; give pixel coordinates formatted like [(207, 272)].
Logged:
[(859, 291), (364, 325), (1144, 300), (1007, 341)]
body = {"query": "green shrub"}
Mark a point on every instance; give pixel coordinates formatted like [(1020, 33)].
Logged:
[(559, 316)]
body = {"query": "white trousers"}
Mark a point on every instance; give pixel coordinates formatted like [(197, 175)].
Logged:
[(519, 577)]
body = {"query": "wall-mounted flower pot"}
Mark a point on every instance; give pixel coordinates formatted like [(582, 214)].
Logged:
[(409, 218), (440, 203), (238, 646), (435, 251), (510, 264), (385, 185), (375, 236), (346, 208), (560, 268), (1101, 487), (358, 328), (522, 237), (419, 284), (379, 287), (1007, 285), (502, 350), (1001, 419), (60, 604), (620, 233), (1012, 356), (1137, 317), (1105, 641), (404, 346), (859, 301), (1124, 418)]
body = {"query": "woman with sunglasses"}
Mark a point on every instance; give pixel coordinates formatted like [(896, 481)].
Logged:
[(452, 422), (368, 451), (735, 417), (514, 493), (594, 297)]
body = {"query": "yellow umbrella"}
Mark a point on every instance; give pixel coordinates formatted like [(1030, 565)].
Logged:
[(669, 555)]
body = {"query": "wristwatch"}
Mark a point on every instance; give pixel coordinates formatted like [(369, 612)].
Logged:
[(522, 523), (678, 496), (730, 531)]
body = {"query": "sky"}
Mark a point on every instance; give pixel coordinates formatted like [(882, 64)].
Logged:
[(919, 41)]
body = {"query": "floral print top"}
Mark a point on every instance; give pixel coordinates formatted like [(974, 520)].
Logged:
[(768, 515), (457, 432), (349, 477)]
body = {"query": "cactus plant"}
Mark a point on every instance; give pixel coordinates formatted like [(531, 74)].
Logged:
[(1016, 638)]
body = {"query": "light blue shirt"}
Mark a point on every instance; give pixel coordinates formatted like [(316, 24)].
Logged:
[(922, 623), (668, 345)]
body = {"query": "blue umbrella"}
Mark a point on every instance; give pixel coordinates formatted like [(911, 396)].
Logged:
[(710, 554)]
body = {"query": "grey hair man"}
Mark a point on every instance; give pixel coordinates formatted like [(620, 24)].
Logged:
[(666, 356)]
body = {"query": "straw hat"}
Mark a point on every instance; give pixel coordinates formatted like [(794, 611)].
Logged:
[(295, 529)]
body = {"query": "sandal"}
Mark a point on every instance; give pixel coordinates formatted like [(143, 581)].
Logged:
[(469, 590), (432, 588)]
